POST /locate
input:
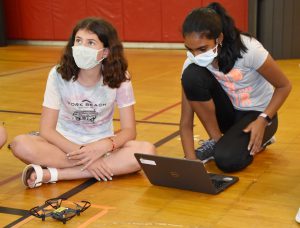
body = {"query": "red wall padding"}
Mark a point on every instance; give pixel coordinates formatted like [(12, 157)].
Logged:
[(135, 20)]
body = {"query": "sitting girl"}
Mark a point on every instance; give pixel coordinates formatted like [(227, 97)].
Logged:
[(76, 137)]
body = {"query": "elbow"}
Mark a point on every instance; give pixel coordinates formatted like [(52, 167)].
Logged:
[(287, 89), (42, 132), (43, 135), (284, 90)]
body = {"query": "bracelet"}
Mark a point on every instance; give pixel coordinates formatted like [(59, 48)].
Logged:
[(113, 143), (266, 117)]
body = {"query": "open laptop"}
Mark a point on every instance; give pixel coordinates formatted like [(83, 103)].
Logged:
[(183, 174)]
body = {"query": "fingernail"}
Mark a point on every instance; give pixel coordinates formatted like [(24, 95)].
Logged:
[(110, 178), (111, 174), (68, 155), (99, 179), (105, 179)]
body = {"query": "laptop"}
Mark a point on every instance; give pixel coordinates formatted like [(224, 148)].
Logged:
[(183, 174)]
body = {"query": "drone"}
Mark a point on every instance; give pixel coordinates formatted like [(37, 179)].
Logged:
[(57, 211)]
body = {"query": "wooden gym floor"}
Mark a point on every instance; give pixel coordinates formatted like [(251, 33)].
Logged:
[(267, 195)]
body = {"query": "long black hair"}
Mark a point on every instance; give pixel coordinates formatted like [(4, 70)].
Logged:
[(114, 66), (210, 22)]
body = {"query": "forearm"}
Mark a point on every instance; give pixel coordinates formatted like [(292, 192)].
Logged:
[(278, 98), (58, 140), (187, 141), (112, 143), (124, 136), (186, 128), (128, 127)]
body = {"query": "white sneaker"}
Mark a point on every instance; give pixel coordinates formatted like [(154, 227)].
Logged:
[(269, 142), (297, 218)]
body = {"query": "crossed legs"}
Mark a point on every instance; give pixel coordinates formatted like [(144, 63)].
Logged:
[(36, 150)]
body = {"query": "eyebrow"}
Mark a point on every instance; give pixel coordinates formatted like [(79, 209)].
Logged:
[(87, 39), (196, 49)]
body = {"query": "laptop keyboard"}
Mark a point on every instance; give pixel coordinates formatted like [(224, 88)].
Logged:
[(218, 183)]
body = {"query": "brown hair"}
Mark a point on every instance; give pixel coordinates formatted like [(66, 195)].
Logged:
[(113, 68)]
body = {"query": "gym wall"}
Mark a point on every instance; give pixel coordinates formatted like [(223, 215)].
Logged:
[(278, 27), (135, 20)]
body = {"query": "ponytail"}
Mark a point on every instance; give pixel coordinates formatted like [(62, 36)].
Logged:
[(232, 46)]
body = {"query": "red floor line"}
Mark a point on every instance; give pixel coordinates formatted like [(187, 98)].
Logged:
[(156, 113), (161, 111), (9, 179)]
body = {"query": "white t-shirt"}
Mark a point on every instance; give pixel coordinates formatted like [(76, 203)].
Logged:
[(246, 88), (85, 113)]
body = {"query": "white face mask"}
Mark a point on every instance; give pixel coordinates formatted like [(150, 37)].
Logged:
[(203, 59), (85, 57)]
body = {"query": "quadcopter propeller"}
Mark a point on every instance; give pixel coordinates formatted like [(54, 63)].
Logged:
[(60, 213)]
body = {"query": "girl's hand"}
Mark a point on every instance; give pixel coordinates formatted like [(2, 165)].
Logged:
[(257, 130), (100, 170), (88, 154)]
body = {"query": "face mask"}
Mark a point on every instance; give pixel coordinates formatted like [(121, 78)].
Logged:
[(85, 57), (203, 59)]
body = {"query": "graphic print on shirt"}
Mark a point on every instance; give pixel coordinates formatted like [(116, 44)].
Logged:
[(239, 96), (85, 111)]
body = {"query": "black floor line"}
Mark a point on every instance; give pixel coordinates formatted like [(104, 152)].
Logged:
[(70, 193), (23, 71), (166, 139), (138, 121), (24, 61), (13, 211), (19, 112), (66, 195)]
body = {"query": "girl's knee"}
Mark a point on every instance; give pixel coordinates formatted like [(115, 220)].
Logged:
[(232, 164), (147, 148), (19, 145), (142, 147)]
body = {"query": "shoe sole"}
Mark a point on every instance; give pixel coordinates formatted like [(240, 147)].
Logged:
[(207, 160), (269, 142)]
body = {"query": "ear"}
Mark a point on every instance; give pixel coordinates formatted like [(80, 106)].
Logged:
[(105, 52), (220, 39)]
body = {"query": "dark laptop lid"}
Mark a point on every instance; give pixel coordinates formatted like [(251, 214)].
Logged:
[(179, 173)]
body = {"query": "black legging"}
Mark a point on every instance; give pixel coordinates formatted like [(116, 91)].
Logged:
[(231, 153)]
